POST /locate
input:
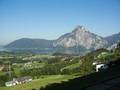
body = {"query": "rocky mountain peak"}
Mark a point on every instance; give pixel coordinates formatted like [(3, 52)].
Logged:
[(80, 28), (79, 40), (80, 36)]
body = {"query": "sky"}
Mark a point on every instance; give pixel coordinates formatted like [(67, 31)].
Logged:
[(49, 19)]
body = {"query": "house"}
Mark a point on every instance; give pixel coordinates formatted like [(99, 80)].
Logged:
[(23, 79), (20, 80), (101, 67), (10, 83)]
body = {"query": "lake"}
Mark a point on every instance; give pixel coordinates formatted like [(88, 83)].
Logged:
[(2, 48)]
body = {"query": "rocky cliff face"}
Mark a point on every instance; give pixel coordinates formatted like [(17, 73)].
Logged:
[(80, 36)]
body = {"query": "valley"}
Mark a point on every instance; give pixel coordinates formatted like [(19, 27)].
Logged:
[(48, 69), (59, 44), (46, 62)]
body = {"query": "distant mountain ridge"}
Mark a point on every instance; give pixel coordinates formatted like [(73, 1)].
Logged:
[(113, 39), (80, 40), (30, 43)]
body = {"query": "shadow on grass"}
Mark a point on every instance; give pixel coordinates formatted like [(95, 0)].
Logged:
[(84, 82)]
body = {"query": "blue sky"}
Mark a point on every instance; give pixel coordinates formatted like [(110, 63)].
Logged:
[(49, 19)]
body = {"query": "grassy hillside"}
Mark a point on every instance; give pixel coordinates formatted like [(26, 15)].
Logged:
[(82, 83), (72, 66), (49, 70), (36, 84)]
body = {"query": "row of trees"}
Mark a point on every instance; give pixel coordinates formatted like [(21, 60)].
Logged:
[(51, 68)]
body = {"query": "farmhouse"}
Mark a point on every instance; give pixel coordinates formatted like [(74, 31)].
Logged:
[(23, 79), (20, 80), (101, 67), (10, 83)]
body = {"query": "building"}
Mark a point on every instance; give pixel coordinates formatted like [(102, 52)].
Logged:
[(10, 83), (101, 67), (20, 80), (23, 79)]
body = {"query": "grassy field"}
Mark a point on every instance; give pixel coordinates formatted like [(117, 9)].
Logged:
[(38, 57), (76, 65), (45, 80)]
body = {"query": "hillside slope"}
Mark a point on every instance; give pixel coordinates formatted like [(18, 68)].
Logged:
[(113, 38), (30, 43)]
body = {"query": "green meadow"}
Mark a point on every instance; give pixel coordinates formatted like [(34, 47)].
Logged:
[(38, 83)]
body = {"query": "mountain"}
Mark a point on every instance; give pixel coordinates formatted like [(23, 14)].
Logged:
[(30, 43), (113, 39), (79, 41), (80, 36)]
